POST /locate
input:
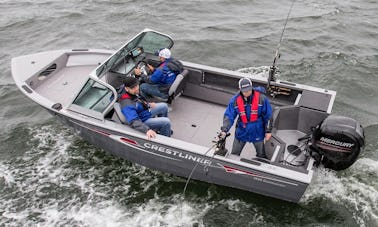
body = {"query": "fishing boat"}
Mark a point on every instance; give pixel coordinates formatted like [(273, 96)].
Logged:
[(79, 87)]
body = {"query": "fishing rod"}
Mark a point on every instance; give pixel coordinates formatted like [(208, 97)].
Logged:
[(190, 176), (219, 150), (272, 70), (195, 166), (220, 147)]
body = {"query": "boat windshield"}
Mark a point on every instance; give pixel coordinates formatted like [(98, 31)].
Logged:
[(150, 42), (94, 96)]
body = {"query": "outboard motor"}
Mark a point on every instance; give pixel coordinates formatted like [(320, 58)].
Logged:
[(337, 141)]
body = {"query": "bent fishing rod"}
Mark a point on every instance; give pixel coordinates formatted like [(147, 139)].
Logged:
[(219, 145), (272, 70)]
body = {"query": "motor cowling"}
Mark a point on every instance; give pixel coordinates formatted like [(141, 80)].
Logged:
[(337, 141)]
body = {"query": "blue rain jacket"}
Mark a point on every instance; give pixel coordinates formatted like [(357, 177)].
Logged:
[(163, 75), (134, 112), (252, 131)]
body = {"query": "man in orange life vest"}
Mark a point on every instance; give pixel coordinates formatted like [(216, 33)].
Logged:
[(253, 124)]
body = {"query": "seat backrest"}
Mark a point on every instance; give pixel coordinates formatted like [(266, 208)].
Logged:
[(117, 109), (173, 90), (297, 118)]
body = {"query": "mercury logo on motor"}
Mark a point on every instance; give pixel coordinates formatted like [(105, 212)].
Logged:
[(336, 143)]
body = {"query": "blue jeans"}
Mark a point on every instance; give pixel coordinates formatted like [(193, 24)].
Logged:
[(147, 90), (238, 146), (159, 120)]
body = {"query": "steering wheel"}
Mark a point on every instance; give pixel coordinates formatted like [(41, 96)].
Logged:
[(142, 65)]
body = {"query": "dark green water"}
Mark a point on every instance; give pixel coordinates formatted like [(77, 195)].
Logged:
[(51, 177)]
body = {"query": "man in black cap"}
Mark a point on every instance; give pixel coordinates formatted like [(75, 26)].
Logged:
[(253, 124), (147, 117)]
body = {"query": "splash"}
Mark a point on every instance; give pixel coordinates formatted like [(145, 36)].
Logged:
[(55, 184), (262, 71), (353, 189), (6, 174)]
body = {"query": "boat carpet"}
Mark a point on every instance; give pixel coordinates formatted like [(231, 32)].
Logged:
[(198, 122)]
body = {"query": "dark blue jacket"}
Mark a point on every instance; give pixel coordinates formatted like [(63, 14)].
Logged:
[(135, 112), (252, 131), (162, 74)]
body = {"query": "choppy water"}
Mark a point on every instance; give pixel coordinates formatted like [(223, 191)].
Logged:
[(51, 177)]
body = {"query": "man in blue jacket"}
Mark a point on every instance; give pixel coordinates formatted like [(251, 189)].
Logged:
[(146, 117), (158, 83), (253, 124)]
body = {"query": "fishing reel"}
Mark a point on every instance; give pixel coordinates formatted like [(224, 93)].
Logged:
[(273, 90), (273, 71), (220, 144)]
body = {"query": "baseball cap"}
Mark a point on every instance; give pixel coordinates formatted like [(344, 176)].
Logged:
[(165, 53), (245, 84)]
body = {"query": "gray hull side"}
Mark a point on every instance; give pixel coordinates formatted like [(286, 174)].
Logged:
[(181, 162)]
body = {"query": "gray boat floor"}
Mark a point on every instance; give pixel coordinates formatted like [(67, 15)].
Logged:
[(291, 138), (64, 86), (198, 122)]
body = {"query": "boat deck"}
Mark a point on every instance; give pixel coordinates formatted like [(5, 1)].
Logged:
[(198, 122), (64, 86)]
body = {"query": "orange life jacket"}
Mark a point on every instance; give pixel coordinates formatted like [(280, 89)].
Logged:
[(254, 108)]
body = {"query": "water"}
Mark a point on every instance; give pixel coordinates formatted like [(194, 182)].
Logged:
[(51, 177)]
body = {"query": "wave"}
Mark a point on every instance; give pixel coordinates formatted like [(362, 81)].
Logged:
[(65, 181), (360, 199)]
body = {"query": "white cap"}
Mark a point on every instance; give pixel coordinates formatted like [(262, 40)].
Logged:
[(165, 53)]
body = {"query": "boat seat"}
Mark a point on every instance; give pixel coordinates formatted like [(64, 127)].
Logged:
[(296, 117), (175, 89), (118, 115)]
